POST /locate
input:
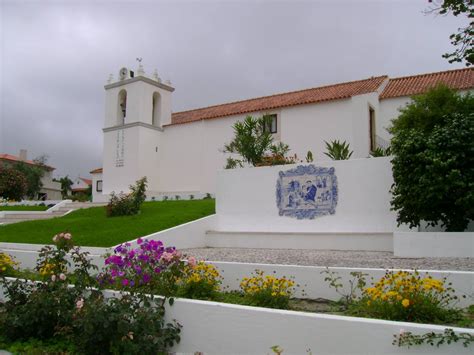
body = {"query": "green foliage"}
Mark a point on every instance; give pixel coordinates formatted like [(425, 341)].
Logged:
[(433, 165), (255, 145), (13, 183), (409, 339), (33, 174), (380, 152), (337, 150), (127, 204), (131, 324), (309, 156), (464, 38), (91, 226), (66, 184)]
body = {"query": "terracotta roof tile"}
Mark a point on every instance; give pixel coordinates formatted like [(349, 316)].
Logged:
[(87, 181), (96, 171), (417, 84), (320, 94), (14, 158)]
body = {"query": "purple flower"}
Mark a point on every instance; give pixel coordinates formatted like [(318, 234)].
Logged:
[(139, 241), (146, 278)]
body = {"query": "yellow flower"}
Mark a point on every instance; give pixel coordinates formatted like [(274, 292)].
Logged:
[(405, 303)]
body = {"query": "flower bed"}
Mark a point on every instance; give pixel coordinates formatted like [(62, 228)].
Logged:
[(152, 268)]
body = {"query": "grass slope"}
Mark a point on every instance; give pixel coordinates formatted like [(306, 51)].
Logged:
[(23, 208), (90, 227)]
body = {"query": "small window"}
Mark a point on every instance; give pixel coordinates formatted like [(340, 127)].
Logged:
[(372, 131), (98, 186), (271, 124)]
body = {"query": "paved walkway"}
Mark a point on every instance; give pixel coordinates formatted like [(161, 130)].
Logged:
[(367, 259)]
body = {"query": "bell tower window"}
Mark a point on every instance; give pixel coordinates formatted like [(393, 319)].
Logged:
[(156, 119), (122, 107)]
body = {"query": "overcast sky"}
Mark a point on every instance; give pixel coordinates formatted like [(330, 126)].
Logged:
[(56, 57)]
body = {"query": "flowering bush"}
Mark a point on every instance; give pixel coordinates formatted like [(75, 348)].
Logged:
[(127, 204), (407, 296), (267, 291), (149, 268), (131, 324), (200, 280), (13, 183), (7, 265), (42, 309)]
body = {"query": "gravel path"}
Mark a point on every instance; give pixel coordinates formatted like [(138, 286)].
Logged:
[(368, 259)]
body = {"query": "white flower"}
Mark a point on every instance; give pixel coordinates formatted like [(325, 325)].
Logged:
[(53, 278), (55, 238), (62, 277)]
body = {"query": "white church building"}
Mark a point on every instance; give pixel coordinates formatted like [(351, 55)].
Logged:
[(180, 152)]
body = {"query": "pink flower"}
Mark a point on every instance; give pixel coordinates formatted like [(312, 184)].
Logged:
[(167, 256), (192, 261), (139, 241), (55, 238), (62, 277), (80, 303), (67, 236), (53, 278)]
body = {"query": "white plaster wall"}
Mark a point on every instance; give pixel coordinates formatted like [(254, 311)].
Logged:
[(361, 123), (246, 199), (139, 103), (306, 127), (217, 328), (389, 110), (433, 244), (119, 178)]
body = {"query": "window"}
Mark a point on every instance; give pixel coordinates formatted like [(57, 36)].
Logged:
[(372, 132), (98, 186), (122, 107), (156, 110), (271, 123)]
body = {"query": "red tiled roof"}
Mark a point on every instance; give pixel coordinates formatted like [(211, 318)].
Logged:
[(308, 96), (14, 158), (96, 171), (411, 85), (87, 181)]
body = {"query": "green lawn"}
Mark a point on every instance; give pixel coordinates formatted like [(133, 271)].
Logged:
[(23, 208), (90, 227)]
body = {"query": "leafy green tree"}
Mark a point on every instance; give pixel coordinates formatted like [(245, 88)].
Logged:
[(66, 184), (13, 183), (337, 150), (464, 38), (33, 176), (433, 164), (254, 143), (251, 141)]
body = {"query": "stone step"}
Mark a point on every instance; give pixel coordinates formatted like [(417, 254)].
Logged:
[(324, 240)]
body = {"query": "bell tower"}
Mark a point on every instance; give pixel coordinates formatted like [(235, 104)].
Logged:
[(136, 108)]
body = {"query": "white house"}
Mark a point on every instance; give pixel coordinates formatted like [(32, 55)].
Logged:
[(180, 152)]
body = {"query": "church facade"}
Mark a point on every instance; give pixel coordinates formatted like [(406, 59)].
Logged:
[(180, 152)]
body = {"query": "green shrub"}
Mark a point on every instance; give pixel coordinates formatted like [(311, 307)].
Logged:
[(433, 164), (200, 281), (267, 290), (128, 204), (337, 150), (13, 183)]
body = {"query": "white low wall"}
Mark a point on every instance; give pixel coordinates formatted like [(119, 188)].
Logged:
[(433, 244), (184, 236), (246, 199), (217, 328), (319, 241)]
